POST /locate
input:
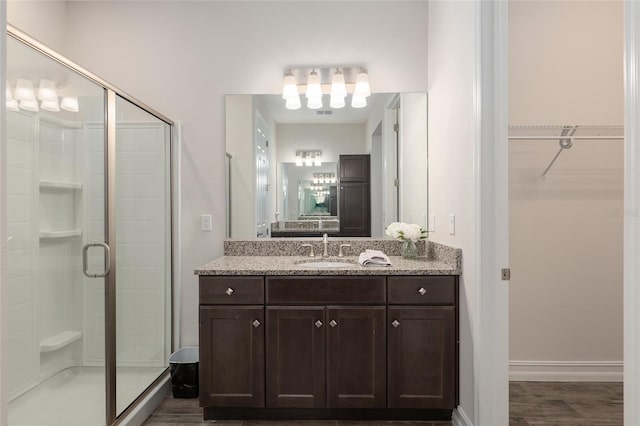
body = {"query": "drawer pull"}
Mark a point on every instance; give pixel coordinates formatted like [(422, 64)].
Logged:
[(422, 291), (318, 323), (256, 323), (229, 291), (395, 323), (333, 323)]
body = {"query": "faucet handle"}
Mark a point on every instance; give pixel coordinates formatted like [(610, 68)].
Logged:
[(340, 254), (311, 254)]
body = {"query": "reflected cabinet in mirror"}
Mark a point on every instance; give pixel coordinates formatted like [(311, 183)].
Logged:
[(302, 172)]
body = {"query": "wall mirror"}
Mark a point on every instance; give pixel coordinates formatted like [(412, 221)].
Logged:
[(283, 173)]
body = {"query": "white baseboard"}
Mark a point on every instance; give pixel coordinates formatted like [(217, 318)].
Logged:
[(459, 418), (566, 371)]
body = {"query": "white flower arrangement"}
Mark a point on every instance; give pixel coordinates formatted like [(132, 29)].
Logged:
[(406, 231)]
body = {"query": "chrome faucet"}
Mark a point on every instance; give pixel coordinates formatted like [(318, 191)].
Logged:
[(325, 243)]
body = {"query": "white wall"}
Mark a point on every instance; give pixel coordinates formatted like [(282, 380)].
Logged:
[(46, 21), (566, 229), (184, 56), (331, 139), (451, 154)]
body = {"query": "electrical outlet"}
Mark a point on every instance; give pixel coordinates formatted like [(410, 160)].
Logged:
[(452, 224), (206, 222)]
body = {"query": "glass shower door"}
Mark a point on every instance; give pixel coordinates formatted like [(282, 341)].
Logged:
[(143, 250), (56, 192)]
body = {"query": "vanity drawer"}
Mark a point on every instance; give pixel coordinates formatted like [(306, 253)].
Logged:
[(325, 290), (431, 290), (225, 290)]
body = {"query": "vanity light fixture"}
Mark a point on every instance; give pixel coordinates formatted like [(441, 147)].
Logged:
[(344, 81), (308, 158), (29, 105), (52, 106)]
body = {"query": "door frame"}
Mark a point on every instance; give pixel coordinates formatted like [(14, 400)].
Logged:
[(491, 303)]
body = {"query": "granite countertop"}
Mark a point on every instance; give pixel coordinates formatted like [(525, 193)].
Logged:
[(288, 265), (247, 257)]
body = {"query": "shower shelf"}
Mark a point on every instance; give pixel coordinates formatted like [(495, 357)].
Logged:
[(60, 340), (52, 184), (46, 235)]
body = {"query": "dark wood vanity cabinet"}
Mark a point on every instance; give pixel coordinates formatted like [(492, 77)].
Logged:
[(330, 345), (355, 196)]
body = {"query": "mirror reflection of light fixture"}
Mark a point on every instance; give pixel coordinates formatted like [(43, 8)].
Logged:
[(52, 106), (344, 80), (29, 105), (47, 91), (70, 103), (24, 90), (308, 158), (12, 104)]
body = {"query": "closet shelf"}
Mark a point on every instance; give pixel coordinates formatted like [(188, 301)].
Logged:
[(51, 184), (46, 235), (60, 340), (565, 135)]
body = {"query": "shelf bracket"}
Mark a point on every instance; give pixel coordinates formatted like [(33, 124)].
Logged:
[(565, 143)]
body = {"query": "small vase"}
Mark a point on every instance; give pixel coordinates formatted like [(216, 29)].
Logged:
[(409, 249)]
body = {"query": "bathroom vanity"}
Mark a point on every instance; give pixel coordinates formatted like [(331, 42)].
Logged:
[(282, 339)]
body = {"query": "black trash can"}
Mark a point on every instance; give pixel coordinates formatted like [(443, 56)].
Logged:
[(183, 365)]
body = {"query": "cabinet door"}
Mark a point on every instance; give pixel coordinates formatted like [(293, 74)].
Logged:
[(232, 356), (355, 209), (295, 357), (356, 357), (354, 168), (422, 357)]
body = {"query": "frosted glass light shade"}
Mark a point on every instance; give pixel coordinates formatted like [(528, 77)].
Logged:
[(52, 106), (336, 101), (358, 101), (314, 103), (47, 91), (298, 161), (338, 86), (314, 90), (362, 85), (293, 102), (289, 86), (24, 90), (70, 103), (29, 105)]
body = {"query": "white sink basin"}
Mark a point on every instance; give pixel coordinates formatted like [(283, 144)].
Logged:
[(324, 264)]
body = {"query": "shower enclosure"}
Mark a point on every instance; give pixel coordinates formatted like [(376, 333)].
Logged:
[(89, 242)]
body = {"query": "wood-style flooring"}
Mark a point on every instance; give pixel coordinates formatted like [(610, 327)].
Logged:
[(531, 403)]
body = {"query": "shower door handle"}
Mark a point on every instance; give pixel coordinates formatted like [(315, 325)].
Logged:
[(107, 259)]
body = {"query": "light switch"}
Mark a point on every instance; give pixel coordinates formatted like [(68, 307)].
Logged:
[(432, 223), (452, 223), (205, 222)]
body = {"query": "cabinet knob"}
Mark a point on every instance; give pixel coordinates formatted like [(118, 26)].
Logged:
[(229, 291), (395, 323), (422, 291), (332, 323), (256, 323), (318, 323)]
